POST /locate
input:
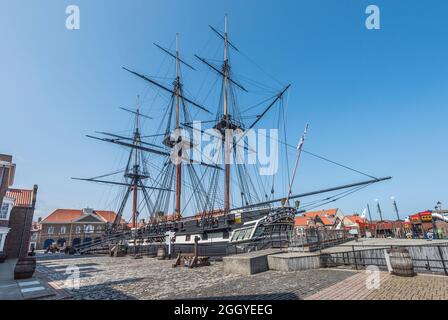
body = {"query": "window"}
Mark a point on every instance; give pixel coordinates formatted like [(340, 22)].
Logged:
[(89, 229), (78, 229), (248, 233), (2, 241), (63, 229), (4, 210), (241, 234), (187, 237), (50, 230), (258, 231), (225, 234)]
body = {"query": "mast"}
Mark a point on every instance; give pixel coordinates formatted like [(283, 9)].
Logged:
[(227, 119), (135, 167), (370, 215), (178, 165), (299, 148), (395, 208), (378, 209)]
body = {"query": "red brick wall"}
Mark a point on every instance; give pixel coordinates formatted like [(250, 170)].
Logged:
[(70, 233), (18, 238)]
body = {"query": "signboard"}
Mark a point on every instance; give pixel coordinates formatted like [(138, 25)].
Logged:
[(415, 218), (238, 217), (426, 216)]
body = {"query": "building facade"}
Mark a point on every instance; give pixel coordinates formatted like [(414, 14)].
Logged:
[(325, 218), (20, 221), (7, 169), (71, 227), (16, 213)]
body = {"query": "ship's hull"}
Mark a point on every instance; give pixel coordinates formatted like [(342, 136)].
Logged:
[(224, 235)]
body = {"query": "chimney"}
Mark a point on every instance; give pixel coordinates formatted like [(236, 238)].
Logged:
[(35, 187), (87, 210)]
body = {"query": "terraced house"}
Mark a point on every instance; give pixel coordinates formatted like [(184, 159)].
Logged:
[(71, 227)]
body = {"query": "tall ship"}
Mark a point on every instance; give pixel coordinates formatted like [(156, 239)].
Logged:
[(180, 193)]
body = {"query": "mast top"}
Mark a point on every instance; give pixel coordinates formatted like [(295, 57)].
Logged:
[(225, 23), (225, 40)]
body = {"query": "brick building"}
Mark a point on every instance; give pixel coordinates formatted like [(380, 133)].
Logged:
[(71, 227), (7, 171), (316, 219), (20, 220), (16, 213)]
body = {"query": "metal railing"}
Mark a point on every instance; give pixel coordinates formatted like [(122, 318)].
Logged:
[(428, 258), (317, 239)]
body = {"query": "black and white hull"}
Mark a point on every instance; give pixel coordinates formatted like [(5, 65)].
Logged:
[(228, 234)]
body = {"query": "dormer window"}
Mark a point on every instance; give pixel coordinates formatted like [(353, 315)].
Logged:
[(4, 211), (6, 207)]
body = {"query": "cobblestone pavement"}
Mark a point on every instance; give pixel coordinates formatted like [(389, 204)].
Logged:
[(391, 287), (148, 278)]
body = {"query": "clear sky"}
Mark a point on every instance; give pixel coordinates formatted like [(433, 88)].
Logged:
[(375, 99)]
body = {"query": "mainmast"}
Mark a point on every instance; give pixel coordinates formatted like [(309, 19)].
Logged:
[(136, 166), (227, 136), (178, 165)]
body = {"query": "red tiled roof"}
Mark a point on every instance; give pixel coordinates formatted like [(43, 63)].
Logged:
[(22, 197), (70, 215), (320, 213), (109, 216), (301, 221), (356, 219), (326, 220)]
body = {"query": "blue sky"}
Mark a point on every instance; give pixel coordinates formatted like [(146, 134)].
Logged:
[(375, 99)]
